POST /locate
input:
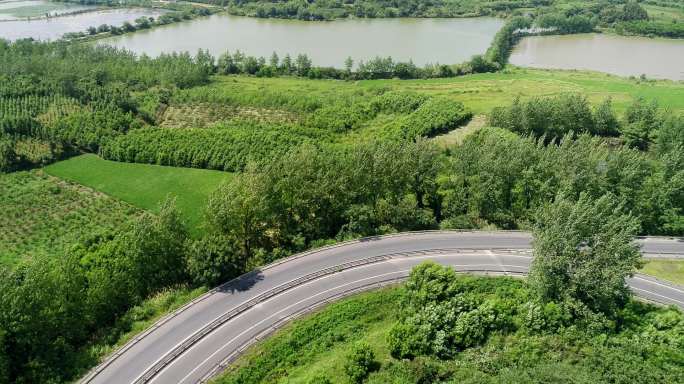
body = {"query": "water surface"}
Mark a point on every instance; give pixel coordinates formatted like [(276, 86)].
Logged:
[(54, 28), (327, 43), (619, 55), (22, 9)]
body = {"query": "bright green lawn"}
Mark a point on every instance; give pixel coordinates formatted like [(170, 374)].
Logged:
[(670, 270), (143, 185)]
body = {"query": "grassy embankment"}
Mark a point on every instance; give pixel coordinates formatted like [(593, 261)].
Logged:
[(142, 185), (667, 269), (314, 348)]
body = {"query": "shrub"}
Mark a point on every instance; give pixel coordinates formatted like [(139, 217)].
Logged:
[(434, 117), (360, 362)]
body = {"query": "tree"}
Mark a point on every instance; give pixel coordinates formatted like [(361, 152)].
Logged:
[(584, 251), (214, 259), (274, 61), (634, 11), (643, 121), (348, 65), (605, 121), (155, 249), (360, 362), (287, 64), (303, 65)]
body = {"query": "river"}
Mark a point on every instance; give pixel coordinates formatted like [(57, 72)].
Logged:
[(54, 27), (619, 55), (327, 43)]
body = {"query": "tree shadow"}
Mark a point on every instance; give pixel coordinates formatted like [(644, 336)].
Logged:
[(242, 283)]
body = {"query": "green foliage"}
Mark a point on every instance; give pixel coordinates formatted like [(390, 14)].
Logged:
[(60, 215), (646, 348), (643, 121), (652, 28), (304, 341), (50, 306), (77, 95), (144, 186), (481, 187), (584, 251), (360, 363), (438, 319), (319, 193), (434, 117), (564, 24), (505, 40), (214, 259), (226, 147), (555, 117)]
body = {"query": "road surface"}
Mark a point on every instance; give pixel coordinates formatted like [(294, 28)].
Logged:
[(197, 341)]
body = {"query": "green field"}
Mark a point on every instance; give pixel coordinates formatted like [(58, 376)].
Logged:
[(480, 92), (43, 215), (142, 185)]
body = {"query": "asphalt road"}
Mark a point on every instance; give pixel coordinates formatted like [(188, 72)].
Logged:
[(190, 345)]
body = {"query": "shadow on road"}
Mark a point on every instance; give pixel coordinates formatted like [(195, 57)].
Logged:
[(242, 283)]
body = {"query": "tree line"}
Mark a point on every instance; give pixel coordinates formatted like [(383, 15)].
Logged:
[(143, 22), (77, 97), (230, 146)]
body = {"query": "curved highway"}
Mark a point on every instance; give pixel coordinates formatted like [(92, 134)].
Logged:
[(197, 341)]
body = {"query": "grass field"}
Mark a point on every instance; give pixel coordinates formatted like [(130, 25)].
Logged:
[(480, 92), (142, 185), (42, 214), (669, 270)]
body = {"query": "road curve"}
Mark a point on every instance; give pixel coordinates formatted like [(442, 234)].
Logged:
[(196, 341)]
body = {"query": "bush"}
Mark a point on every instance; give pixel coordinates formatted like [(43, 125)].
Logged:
[(434, 117), (227, 148), (360, 362), (555, 117)]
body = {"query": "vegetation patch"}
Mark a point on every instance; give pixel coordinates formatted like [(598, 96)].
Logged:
[(205, 114), (42, 215), (317, 349), (144, 186), (667, 269)]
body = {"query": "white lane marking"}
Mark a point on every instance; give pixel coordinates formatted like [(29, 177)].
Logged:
[(411, 257), (657, 283), (657, 294), (297, 303)]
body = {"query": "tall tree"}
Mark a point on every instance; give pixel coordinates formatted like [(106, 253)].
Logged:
[(584, 251)]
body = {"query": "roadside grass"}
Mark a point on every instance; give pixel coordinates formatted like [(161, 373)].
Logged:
[(316, 344), (41, 215), (313, 349), (671, 270), (143, 185), (132, 323)]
